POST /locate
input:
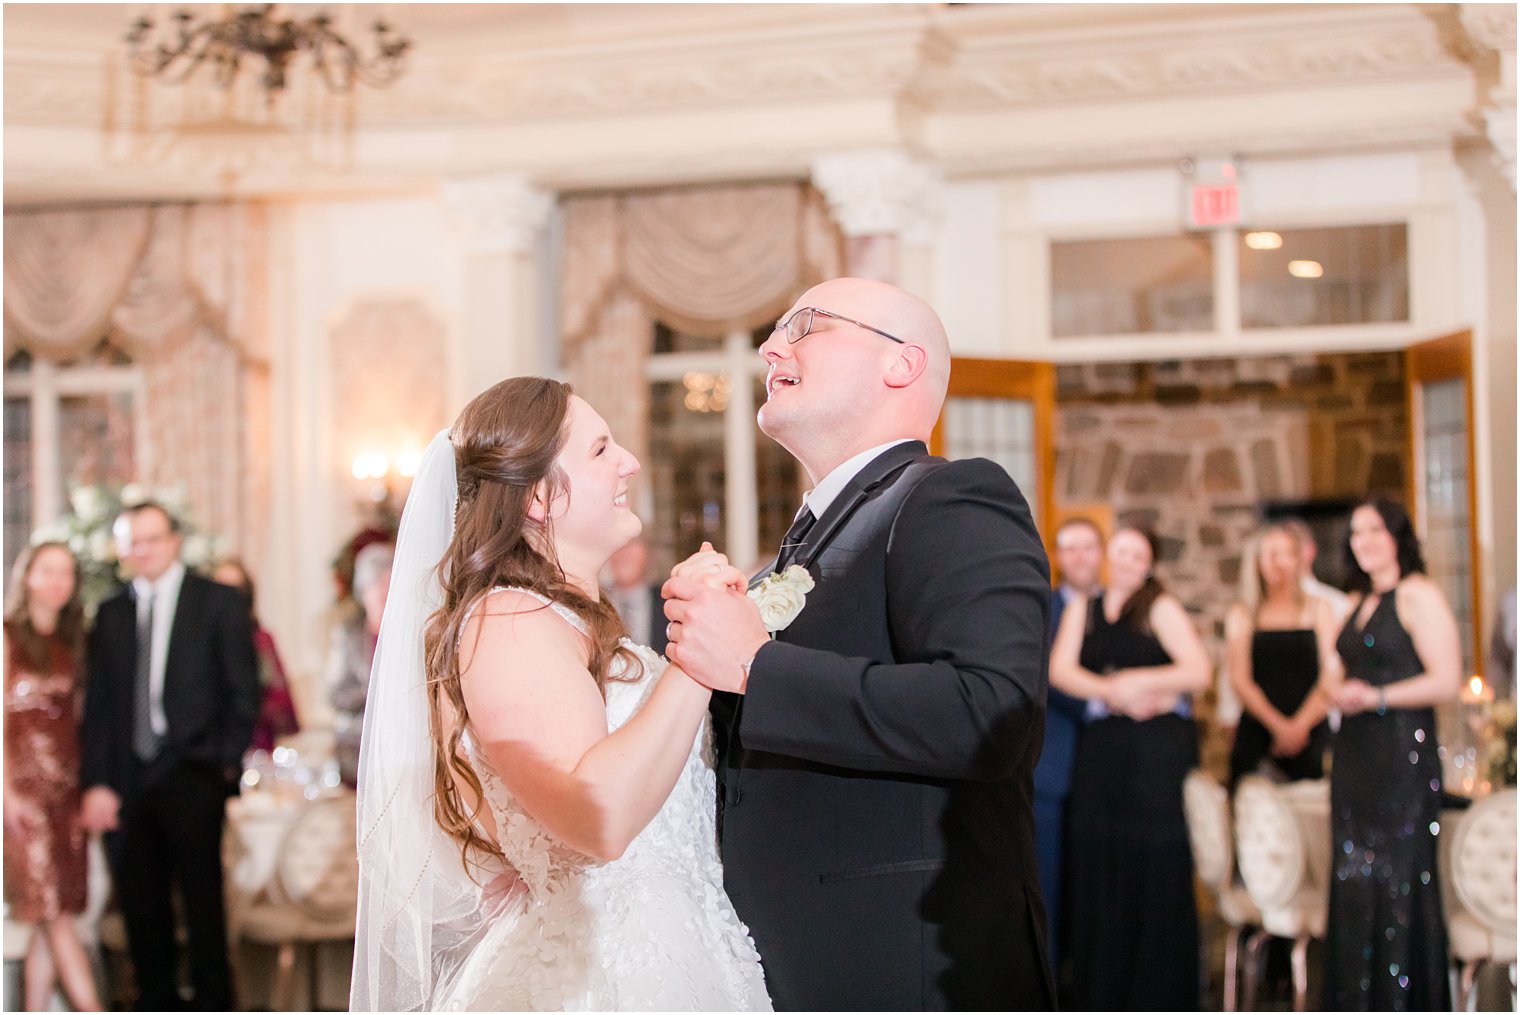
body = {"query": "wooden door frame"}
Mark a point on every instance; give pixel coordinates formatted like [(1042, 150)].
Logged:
[(1447, 358), (1025, 380)]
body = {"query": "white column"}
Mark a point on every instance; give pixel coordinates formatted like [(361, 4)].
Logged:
[(500, 219), (743, 516), (885, 201), (1491, 27)]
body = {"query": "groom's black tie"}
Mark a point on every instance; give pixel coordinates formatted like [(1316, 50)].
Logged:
[(795, 535)]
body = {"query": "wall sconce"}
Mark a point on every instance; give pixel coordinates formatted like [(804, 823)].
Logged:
[(380, 476)]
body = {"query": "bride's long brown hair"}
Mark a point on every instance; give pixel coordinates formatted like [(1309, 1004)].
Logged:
[(505, 442)]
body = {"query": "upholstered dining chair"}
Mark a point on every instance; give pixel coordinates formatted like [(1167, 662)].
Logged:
[(1206, 804), (1478, 871), (314, 895), (1282, 837)]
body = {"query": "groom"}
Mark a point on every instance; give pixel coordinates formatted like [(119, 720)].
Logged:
[(875, 769)]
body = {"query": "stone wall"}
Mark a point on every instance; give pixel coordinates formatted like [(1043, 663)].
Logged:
[(1193, 448)]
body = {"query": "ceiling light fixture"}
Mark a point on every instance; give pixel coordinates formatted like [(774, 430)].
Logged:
[(257, 31)]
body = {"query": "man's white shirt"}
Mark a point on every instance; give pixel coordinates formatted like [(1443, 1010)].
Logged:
[(165, 598)]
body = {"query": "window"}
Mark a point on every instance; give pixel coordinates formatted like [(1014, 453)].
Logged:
[(712, 475), (1329, 276), (1296, 278), (67, 424), (1132, 286)]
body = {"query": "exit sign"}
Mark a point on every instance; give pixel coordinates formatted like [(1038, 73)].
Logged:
[(1213, 204)]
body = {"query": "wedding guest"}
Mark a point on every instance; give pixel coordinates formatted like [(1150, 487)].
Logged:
[(635, 597), (172, 695), (1079, 562), (353, 653), (1397, 657), (277, 710), (1131, 650), (1275, 637), (1339, 602), (1501, 649), (45, 869)]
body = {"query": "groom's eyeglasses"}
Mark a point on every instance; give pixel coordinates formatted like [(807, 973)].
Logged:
[(800, 325)]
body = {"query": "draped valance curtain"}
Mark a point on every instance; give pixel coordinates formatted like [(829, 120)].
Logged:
[(181, 290), (702, 260)]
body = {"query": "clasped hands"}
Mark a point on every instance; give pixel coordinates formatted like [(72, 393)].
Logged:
[(1354, 696), (715, 629), (1128, 696)]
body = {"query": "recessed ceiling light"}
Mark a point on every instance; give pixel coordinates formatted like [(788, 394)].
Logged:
[(1264, 241), (1306, 269)]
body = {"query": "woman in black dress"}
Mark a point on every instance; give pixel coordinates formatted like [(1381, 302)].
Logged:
[(1400, 655), (1133, 653), (1275, 638)]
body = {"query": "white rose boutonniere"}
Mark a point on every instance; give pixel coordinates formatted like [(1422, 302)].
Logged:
[(782, 596)]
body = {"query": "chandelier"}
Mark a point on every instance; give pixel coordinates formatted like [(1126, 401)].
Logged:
[(258, 32)]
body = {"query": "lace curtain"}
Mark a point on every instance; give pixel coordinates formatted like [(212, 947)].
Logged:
[(180, 289), (704, 260)]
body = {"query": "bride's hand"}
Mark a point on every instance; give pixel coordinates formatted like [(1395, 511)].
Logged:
[(711, 568)]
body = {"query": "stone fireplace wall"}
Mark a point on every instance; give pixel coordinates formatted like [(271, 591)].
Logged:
[(1192, 448)]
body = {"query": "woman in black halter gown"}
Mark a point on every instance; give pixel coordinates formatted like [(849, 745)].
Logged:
[(1386, 947)]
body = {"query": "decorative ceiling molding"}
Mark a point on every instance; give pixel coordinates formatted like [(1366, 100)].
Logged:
[(1490, 25), (1027, 78), (675, 96)]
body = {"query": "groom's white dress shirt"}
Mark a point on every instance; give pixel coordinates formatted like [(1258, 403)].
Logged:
[(818, 499)]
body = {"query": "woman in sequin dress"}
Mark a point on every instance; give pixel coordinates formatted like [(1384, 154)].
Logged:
[(44, 843), (1397, 657)]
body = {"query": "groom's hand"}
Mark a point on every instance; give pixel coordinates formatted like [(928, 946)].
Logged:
[(714, 632)]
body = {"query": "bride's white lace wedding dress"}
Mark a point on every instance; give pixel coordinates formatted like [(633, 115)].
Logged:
[(652, 930)]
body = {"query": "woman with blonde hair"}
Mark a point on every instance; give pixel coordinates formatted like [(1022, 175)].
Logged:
[(536, 797), (45, 866), (1276, 639)]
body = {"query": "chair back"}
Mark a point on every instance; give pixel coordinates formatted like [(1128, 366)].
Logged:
[(1271, 848), (319, 861), (1483, 861), (1206, 805)]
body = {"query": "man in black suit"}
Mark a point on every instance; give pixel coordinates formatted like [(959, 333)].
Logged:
[(170, 701), (877, 758)]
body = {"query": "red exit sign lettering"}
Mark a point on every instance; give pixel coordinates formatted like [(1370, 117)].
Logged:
[(1214, 205)]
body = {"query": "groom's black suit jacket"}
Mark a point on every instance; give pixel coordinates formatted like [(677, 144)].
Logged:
[(876, 778)]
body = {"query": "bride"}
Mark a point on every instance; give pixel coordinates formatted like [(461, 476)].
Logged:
[(536, 802)]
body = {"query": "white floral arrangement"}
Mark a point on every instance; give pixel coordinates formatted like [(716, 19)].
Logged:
[(782, 596), (86, 529)]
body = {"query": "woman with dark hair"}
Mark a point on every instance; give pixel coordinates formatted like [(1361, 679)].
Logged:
[(1132, 652), (277, 710), (45, 868), (1397, 657), (536, 797), (1275, 638)]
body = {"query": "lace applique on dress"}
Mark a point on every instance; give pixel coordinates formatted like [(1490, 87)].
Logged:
[(651, 930)]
